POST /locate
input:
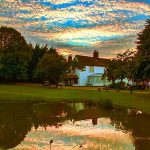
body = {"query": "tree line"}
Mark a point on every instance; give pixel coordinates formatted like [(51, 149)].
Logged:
[(21, 62)]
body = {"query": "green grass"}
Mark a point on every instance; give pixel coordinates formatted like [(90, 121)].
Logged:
[(138, 100)]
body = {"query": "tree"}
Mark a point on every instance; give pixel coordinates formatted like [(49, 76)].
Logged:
[(37, 54), (121, 67), (128, 59), (116, 69), (15, 54), (52, 67), (52, 50), (110, 72), (143, 52)]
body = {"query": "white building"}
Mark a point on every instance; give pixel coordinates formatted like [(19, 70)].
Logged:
[(91, 74)]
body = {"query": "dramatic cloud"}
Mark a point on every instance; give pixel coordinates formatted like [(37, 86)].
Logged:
[(78, 26)]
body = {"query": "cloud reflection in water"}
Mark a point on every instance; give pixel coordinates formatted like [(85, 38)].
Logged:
[(78, 135)]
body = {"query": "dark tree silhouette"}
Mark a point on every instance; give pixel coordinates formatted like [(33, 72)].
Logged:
[(37, 54), (52, 67), (15, 54), (143, 52)]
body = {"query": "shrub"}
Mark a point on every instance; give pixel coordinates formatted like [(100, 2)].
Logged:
[(119, 85)]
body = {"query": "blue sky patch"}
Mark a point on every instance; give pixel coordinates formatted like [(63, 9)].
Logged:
[(79, 25)]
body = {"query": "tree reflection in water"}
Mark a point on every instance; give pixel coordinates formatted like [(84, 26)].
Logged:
[(15, 123), (17, 119)]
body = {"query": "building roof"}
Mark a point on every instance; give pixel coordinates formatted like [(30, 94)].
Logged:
[(91, 61)]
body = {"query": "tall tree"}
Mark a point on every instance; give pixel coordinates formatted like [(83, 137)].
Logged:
[(15, 54), (52, 67), (110, 72), (143, 52), (37, 54), (121, 67), (127, 60)]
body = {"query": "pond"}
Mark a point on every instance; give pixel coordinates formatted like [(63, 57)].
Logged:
[(71, 126)]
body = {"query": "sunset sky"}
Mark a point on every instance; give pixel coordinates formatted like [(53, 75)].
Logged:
[(78, 26)]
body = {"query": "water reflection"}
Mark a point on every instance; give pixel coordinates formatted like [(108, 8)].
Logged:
[(71, 126)]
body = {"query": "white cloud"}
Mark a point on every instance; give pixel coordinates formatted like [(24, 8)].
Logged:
[(102, 18)]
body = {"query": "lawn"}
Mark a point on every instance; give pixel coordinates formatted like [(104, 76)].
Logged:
[(25, 92)]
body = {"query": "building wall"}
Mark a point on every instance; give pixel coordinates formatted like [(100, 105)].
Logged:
[(97, 81), (83, 75)]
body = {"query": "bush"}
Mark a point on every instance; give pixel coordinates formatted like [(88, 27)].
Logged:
[(119, 85)]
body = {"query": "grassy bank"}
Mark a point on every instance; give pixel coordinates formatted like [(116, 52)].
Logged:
[(138, 100)]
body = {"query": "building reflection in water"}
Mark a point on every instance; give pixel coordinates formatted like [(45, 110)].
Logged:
[(94, 121)]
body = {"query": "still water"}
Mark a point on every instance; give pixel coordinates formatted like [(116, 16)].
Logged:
[(71, 126)]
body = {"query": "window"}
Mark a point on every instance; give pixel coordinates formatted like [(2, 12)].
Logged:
[(91, 68)]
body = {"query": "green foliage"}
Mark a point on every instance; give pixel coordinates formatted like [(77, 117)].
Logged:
[(52, 50), (15, 54), (19, 60), (110, 72), (143, 41), (117, 85), (37, 54), (143, 53), (124, 65), (121, 67), (51, 67)]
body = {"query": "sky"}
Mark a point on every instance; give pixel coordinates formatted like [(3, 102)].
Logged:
[(78, 26)]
